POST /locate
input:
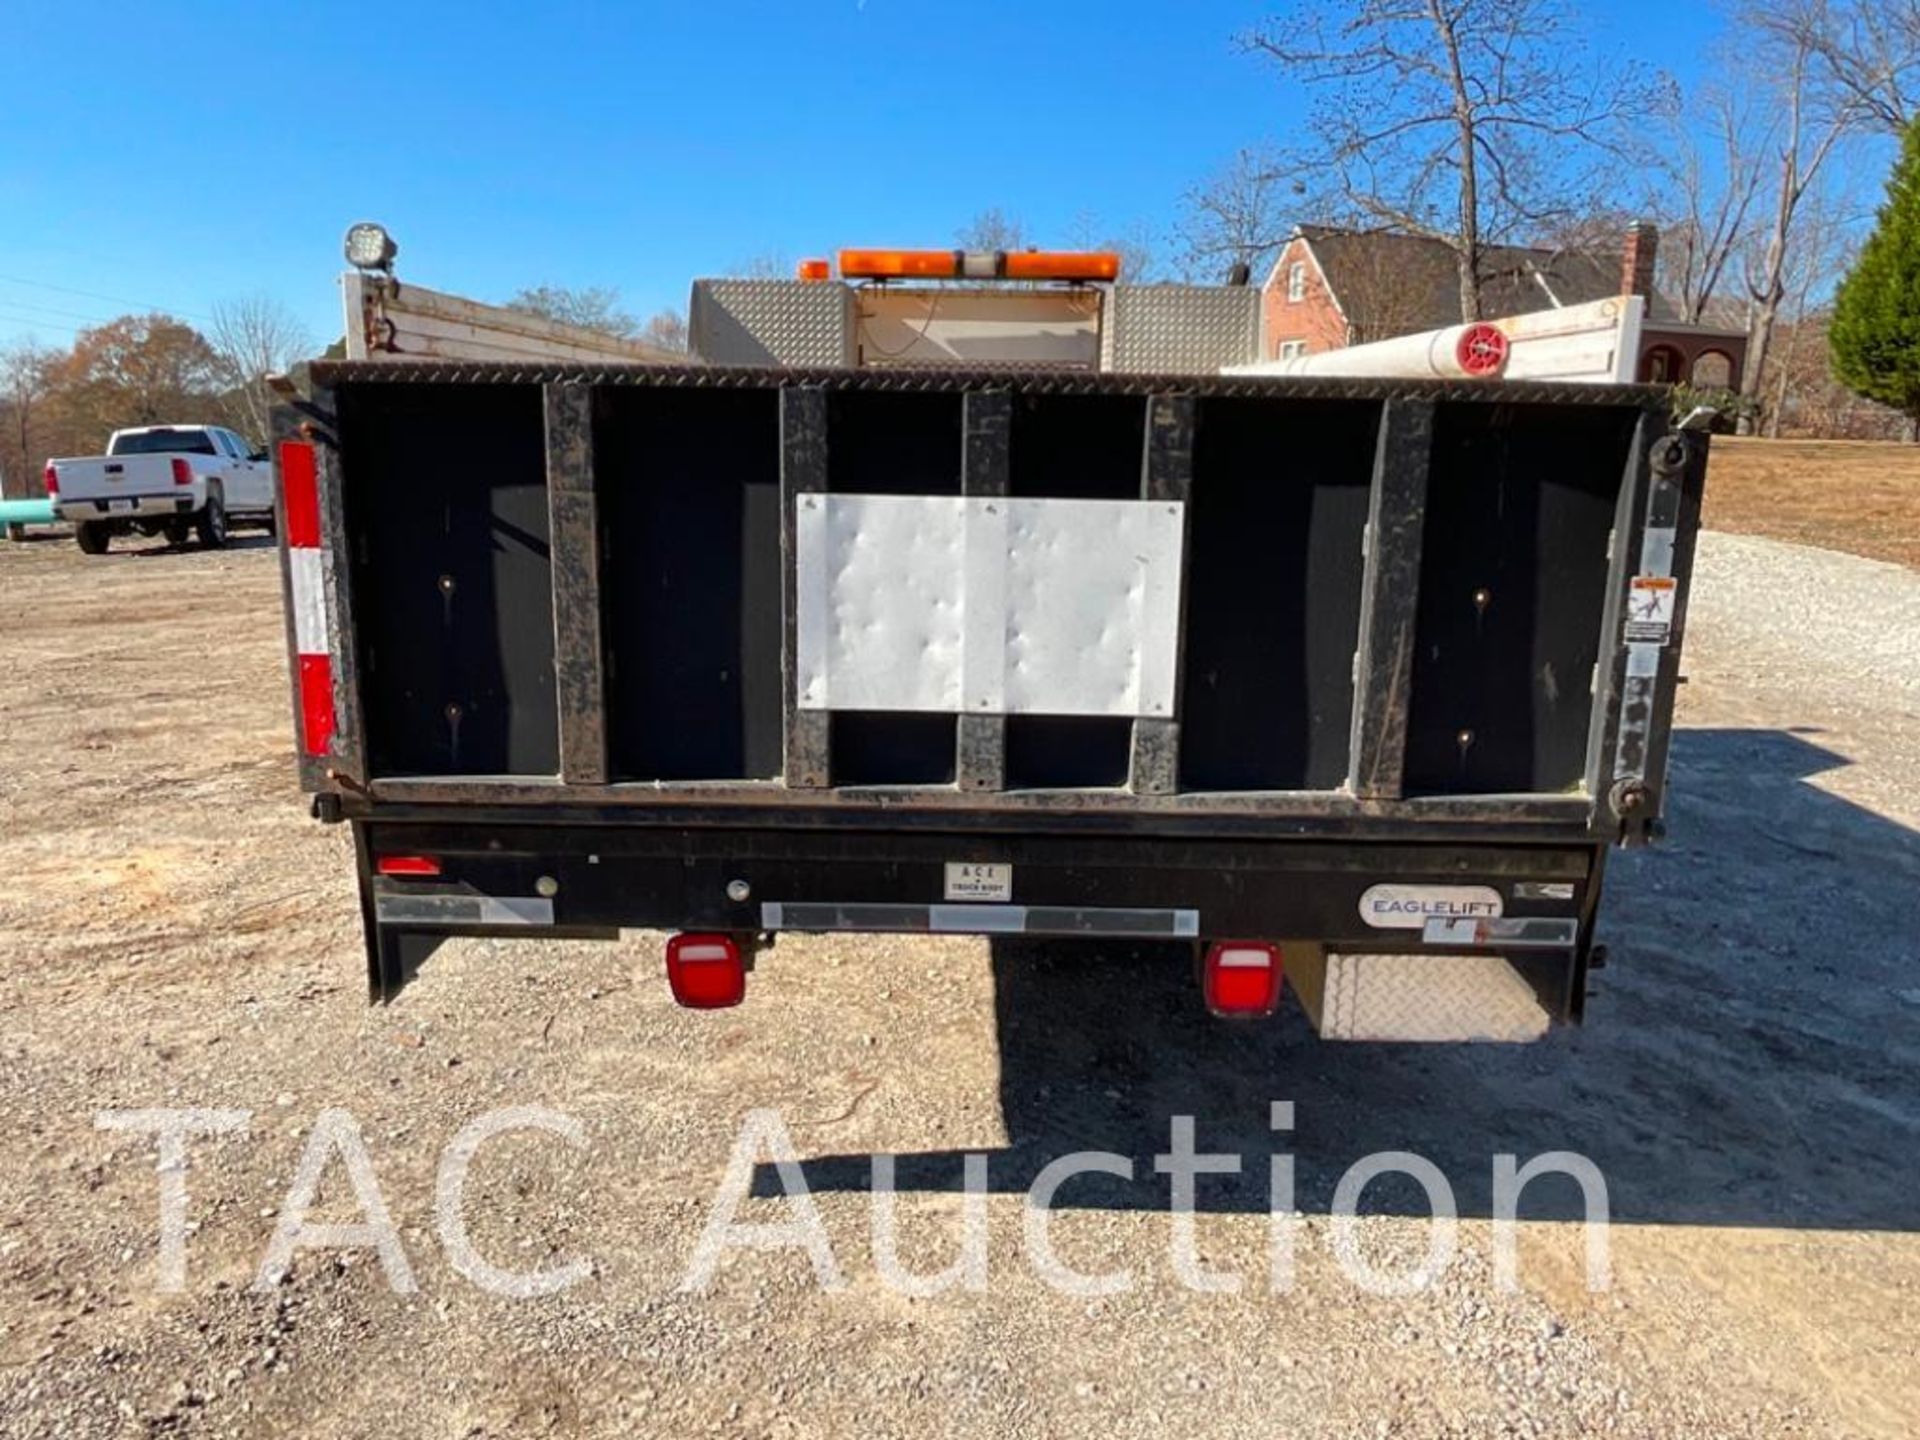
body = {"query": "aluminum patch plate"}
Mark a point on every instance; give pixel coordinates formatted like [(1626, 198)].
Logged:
[(988, 605)]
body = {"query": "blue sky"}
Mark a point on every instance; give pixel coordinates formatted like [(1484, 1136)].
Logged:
[(157, 155)]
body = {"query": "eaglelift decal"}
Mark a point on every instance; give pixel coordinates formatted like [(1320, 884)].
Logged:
[(1410, 907)]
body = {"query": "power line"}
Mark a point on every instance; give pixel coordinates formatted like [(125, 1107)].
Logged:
[(18, 304), (96, 295), (43, 324)]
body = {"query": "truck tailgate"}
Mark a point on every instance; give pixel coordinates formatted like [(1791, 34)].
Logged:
[(1013, 598), (107, 477)]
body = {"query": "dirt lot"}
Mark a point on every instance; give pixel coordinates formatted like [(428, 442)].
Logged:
[(1859, 496), (175, 932)]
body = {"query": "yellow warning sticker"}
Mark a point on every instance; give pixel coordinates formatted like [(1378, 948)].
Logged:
[(1650, 609)]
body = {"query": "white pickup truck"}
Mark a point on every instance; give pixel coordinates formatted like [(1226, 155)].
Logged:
[(163, 480)]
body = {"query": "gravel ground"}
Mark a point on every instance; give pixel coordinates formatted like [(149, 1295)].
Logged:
[(175, 932)]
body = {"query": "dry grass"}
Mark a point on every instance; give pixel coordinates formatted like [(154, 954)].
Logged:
[(1855, 495)]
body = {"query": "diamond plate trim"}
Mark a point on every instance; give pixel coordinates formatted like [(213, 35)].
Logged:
[(1181, 329), (1435, 998), (1017, 379), (771, 322)]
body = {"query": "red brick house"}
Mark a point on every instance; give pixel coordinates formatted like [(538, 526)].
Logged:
[(1332, 288)]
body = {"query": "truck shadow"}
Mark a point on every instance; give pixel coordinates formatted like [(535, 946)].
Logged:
[(1748, 1058), (155, 548)]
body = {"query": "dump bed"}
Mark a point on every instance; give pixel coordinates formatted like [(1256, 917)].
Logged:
[(1014, 599)]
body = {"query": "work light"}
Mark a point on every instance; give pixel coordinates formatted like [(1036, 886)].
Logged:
[(370, 247)]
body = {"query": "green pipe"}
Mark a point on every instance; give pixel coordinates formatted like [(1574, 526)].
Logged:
[(25, 512)]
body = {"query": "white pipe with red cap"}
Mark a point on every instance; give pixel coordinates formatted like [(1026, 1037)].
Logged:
[(1477, 351)]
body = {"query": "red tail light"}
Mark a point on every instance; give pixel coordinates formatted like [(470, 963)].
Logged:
[(1242, 977), (706, 972), (408, 865), (52, 481), (182, 472)]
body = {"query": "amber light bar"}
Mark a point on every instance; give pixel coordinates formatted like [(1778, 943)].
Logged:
[(979, 265)]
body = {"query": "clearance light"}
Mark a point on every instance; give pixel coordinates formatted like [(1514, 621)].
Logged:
[(814, 270), (706, 972), (1242, 978), (979, 265), (407, 865)]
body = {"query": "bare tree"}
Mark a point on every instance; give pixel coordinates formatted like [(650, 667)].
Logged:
[(1866, 50), (1471, 122), (1718, 172), (1825, 238), (1591, 232), (1376, 299), (667, 329), (594, 307), (767, 265), (1135, 245), (1239, 216), (597, 307), (1805, 397), (1814, 119), (253, 338), (992, 229), (25, 378)]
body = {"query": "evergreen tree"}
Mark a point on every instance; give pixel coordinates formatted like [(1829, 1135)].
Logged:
[(1876, 319)]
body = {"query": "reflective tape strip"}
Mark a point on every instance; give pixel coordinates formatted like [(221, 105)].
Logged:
[(463, 910), (309, 602), (316, 703), (1640, 687), (306, 584), (300, 490), (1656, 550), (977, 919), (1511, 933), (980, 919)]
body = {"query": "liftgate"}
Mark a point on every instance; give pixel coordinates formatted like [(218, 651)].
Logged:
[(1329, 602)]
